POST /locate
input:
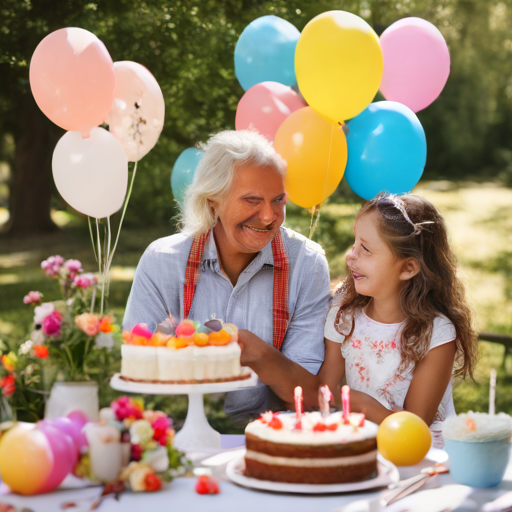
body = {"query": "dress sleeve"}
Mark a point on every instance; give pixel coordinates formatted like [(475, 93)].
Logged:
[(443, 332), (329, 331)]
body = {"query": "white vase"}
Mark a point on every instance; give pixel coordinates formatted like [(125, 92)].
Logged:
[(66, 397)]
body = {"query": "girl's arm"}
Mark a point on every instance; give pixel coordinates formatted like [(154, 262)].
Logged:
[(332, 371), (430, 380)]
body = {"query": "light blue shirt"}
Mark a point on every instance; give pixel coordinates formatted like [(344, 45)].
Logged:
[(157, 290)]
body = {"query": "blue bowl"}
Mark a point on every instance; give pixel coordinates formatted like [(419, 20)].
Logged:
[(478, 464)]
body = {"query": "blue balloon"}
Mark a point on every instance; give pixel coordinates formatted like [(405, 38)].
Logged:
[(183, 171), (265, 51), (387, 150)]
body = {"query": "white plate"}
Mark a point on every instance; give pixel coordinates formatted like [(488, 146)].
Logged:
[(180, 389), (388, 474)]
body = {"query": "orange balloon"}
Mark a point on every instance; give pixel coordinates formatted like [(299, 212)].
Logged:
[(315, 149), (26, 459), (403, 438)]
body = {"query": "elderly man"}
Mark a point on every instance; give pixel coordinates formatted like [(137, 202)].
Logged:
[(235, 260)]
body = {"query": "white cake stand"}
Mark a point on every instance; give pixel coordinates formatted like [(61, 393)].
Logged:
[(196, 433)]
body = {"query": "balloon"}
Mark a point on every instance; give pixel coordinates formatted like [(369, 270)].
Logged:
[(26, 459), (265, 106), (67, 427), (91, 174), (387, 150), (183, 171), (64, 456), (265, 51), (72, 79), (403, 438), (416, 63), (316, 152), (80, 419), (338, 64), (137, 115)]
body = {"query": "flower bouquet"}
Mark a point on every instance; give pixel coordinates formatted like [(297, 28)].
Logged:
[(68, 342), (131, 448)]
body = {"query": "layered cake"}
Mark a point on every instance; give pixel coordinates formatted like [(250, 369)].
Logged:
[(311, 448), (188, 353)]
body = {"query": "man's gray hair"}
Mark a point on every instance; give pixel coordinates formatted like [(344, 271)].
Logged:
[(214, 174)]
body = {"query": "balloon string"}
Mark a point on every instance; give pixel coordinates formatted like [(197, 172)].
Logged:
[(99, 262), (123, 212), (315, 210), (92, 239), (108, 259)]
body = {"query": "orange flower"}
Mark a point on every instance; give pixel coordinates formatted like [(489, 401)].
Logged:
[(9, 361), (90, 324), (106, 325), (41, 351)]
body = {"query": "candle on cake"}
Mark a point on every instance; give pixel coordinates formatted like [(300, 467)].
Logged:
[(345, 402), (324, 399), (299, 411)]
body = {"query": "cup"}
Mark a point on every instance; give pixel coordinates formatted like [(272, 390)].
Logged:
[(478, 463)]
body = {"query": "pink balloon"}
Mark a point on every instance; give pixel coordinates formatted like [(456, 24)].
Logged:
[(416, 63), (72, 79), (137, 115), (73, 430), (265, 106), (64, 455), (80, 419)]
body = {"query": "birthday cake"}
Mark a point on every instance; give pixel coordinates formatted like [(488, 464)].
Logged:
[(311, 448), (188, 353)]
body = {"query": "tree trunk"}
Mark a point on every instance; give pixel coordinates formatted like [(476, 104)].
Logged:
[(31, 191)]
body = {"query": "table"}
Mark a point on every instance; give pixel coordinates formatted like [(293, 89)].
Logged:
[(180, 496)]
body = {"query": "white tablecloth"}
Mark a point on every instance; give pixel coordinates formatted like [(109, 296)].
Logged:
[(180, 496)]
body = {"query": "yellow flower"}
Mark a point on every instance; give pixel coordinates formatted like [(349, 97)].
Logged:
[(9, 361)]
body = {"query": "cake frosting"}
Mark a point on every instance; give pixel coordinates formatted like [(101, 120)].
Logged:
[(321, 449), (187, 353)]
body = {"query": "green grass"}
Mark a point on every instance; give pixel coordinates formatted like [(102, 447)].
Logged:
[(479, 217)]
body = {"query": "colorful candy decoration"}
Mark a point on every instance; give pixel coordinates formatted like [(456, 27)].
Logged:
[(187, 333), (404, 438)]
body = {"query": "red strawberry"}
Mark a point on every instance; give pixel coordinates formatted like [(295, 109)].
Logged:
[(320, 427), (332, 426), (275, 423), (207, 485)]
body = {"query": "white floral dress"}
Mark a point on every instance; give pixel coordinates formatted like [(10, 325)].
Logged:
[(372, 361)]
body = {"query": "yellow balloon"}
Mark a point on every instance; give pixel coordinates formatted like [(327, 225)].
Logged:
[(338, 64), (26, 459), (316, 152), (403, 438)]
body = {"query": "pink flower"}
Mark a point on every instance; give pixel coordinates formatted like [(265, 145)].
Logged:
[(160, 427), (85, 280), (393, 345), (90, 324), (73, 265), (356, 343), (52, 265), (52, 323), (125, 408), (32, 298)]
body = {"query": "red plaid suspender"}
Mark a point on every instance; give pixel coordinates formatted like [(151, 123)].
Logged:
[(280, 313)]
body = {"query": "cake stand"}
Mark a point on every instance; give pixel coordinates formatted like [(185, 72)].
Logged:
[(196, 433)]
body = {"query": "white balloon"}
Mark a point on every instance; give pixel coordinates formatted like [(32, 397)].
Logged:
[(136, 117), (91, 174)]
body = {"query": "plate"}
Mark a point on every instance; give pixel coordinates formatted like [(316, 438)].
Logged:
[(180, 389), (388, 474)]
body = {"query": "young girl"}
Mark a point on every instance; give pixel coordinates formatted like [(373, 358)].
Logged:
[(400, 316)]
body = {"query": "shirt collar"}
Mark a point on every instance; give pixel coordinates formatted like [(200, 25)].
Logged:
[(264, 257)]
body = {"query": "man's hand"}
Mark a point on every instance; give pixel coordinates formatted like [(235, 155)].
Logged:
[(253, 348)]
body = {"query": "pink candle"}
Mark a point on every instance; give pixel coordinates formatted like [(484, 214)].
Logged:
[(345, 401), (298, 407), (324, 398)]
